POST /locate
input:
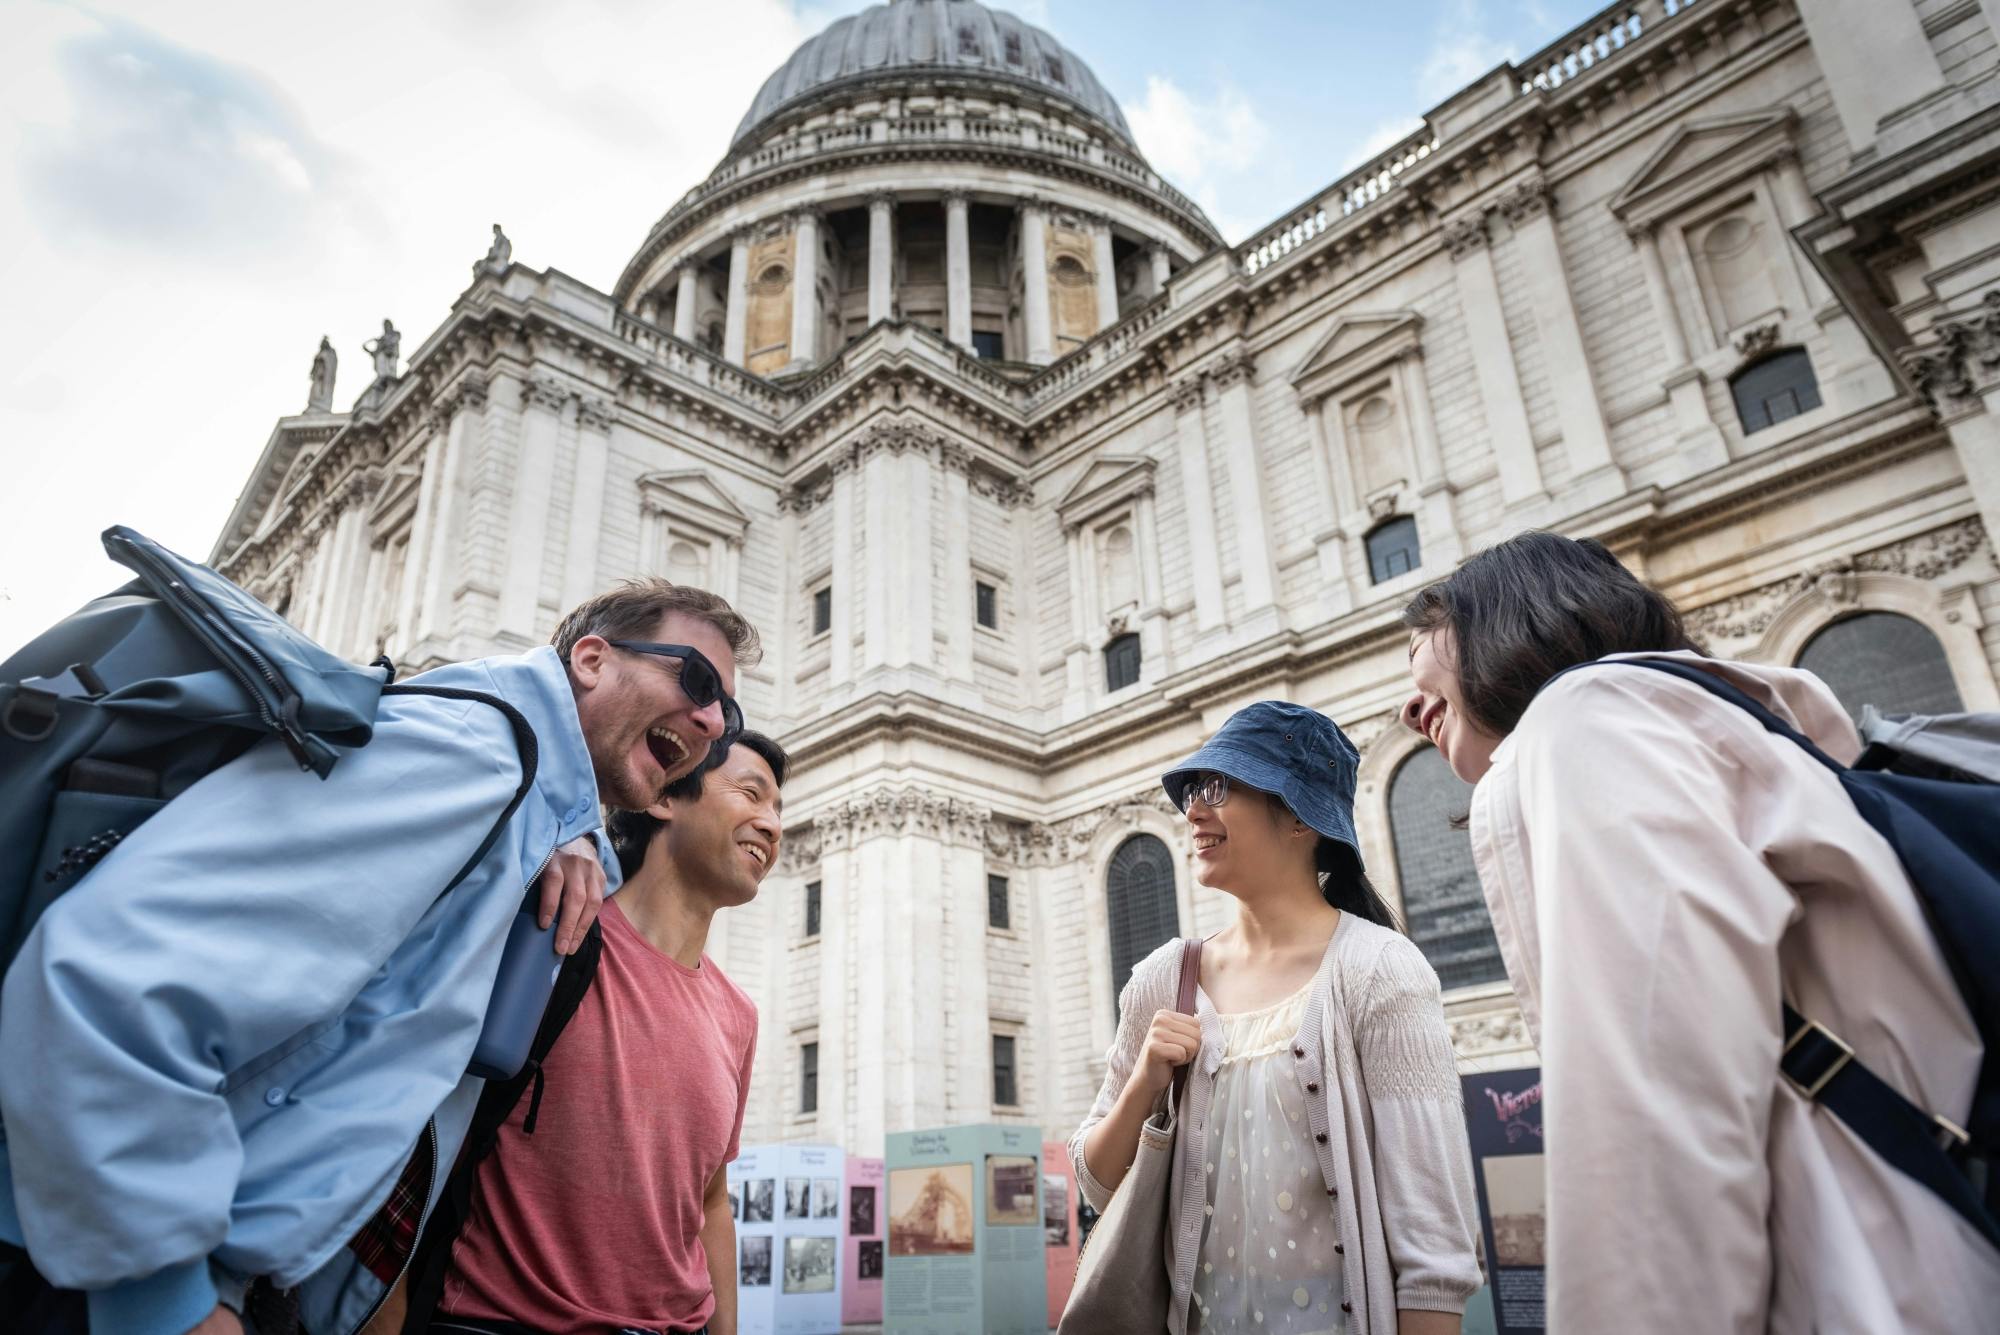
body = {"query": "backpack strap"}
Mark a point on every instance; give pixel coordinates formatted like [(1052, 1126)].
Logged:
[(1819, 1066), (524, 742), (432, 1263)]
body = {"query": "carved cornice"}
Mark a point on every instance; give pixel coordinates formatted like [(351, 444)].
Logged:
[(1232, 366), (1187, 393), (799, 851), (801, 498), (882, 811), (1757, 340), (1962, 363), (1927, 556), (545, 392), (1038, 844), (1488, 1031), (595, 414), (1466, 235), (1530, 199)]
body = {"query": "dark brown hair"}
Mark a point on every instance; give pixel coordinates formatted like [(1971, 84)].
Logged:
[(632, 611), (1523, 610), (631, 832)]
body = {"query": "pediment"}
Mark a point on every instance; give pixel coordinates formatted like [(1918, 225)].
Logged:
[(1356, 345), (692, 497), (1111, 480), (1703, 156)]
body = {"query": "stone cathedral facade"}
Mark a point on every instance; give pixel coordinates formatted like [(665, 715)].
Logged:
[(1030, 479)]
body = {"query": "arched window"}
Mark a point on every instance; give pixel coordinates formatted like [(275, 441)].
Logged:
[(1069, 271), (1139, 904), (1778, 387), (1121, 662), (1884, 660), (1442, 902), (1392, 549)]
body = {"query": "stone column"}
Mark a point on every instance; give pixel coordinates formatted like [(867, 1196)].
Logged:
[(416, 557), (350, 588), (958, 608), (1530, 208), (840, 899), (1337, 501), (1956, 374), (1162, 268), (1875, 57), (914, 637), (1246, 482), (1204, 554), (888, 539), (805, 288), (441, 560), (736, 320), (1701, 442), (1506, 416), (686, 294), (543, 402), (846, 578), (881, 258), (1107, 273), (957, 270), (1035, 282), (1152, 598), (963, 859), (586, 502), (1442, 544)]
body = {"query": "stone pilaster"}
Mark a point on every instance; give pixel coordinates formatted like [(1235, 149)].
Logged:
[(1493, 363), (736, 318), (1035, 282), (957, 269), (881, 258)]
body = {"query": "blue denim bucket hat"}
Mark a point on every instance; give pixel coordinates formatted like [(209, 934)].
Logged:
[(1298, 754)]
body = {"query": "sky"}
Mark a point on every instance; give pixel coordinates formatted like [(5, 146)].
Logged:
[(194, 193)]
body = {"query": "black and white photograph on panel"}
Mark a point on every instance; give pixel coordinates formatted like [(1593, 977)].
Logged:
[(757, 1200), (809, 1265), (753, 1271), (798, 1198)]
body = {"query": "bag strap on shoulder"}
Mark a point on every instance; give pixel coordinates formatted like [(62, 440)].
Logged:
[(1184, 1000)]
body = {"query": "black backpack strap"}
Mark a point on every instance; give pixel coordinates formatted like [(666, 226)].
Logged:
[(1820, 1067), (524, 742), (432, 1262)]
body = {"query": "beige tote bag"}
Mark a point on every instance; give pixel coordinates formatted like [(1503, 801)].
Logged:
[(1122, 1282)]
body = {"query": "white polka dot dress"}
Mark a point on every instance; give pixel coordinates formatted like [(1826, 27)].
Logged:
[(1267, 1261)]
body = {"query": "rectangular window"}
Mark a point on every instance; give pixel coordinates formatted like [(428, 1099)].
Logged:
[(808, 1077), (986, 604), (1005, 1095), (1121, 662), (812, 908), (996, 901), (989, 345), (823, 610)]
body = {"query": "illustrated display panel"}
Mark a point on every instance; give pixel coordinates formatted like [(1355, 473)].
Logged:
[(789, 1236), (1061, 1238), (965, 1232), (864, 1245)]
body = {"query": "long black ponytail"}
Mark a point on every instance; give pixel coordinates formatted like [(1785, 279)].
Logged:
[(1346, 886)]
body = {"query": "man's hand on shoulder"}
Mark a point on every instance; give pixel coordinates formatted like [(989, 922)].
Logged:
[(572, 892), (221, 1321)]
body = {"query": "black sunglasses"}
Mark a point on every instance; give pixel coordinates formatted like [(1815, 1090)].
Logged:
[(700, 682)]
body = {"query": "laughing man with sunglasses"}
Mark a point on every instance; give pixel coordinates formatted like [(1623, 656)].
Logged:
[(251, 1026)]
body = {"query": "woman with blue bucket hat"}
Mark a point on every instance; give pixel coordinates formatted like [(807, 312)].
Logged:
[(1320, 1178)]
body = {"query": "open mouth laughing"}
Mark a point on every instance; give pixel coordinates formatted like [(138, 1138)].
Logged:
[(666, 748)]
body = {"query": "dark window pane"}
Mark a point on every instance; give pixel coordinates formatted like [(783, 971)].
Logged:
[(989, 344), (1004, 1091), (986, 604), (996, 901), (809, 1077), (1884, 660), (812, 908), (1779, 387), (823, 610), (1442, 902), (1139, 904), (1392, 548), (1121, 662)]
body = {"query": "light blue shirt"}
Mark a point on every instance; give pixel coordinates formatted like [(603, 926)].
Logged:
[(221, 1046)]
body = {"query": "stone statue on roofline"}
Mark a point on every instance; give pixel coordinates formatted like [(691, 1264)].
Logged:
[(386, 349), (498, 255), (319, 399)]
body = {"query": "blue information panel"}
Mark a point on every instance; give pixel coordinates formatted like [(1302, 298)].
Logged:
[(1503, 1112), (966, 1234), (788, 1222)]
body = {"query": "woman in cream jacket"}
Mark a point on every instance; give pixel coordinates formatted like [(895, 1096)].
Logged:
[(1661, 872)]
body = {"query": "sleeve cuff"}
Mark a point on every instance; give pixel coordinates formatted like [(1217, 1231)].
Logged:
[(1433, 1299), (1095, 1193), (167, 1302)]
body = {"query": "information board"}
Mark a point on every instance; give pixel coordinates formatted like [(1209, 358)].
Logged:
[(1061, 1238), (1504, 1116), (965, 1233), (863, 1244), (790, 1212)]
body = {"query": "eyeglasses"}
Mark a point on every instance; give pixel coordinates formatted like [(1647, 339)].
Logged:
[(1211, 788), (700, 682)]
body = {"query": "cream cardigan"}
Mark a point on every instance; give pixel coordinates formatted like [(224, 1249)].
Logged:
[(1389, 1121)]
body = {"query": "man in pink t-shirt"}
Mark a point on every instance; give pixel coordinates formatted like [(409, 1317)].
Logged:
[(615, 1215)]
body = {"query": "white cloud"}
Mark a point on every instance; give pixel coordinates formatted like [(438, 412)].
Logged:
[(1201, 144), (197, 190), (1460, 52)]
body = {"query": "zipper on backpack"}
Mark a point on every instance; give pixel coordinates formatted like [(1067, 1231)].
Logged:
[(281, 717), (423, 1217)]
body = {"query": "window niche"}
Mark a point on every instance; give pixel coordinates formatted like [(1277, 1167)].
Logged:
[(1366, 396), (1109, 528), (1775, 389), (690, 531)]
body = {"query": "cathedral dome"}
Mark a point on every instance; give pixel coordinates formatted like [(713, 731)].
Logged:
[(936, 37)]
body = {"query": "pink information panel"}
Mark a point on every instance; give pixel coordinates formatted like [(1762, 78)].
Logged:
[(861, 1287), (1059, 1224)]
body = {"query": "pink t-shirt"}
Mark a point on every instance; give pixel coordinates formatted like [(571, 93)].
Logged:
[(594, 1220)]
